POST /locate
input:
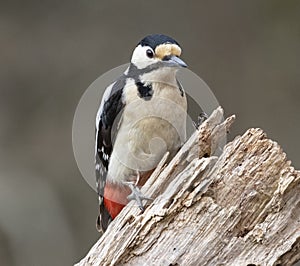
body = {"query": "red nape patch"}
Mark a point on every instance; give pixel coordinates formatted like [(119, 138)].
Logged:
[(115, 198)]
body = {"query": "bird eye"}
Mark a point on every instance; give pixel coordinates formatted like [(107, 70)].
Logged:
[(149, 53)]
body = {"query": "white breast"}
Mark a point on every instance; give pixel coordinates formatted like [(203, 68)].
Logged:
[(148, 129)]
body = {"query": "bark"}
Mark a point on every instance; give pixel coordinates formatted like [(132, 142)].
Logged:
[(239, 205)]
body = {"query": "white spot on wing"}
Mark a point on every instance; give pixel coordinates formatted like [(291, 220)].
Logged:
[(105, 97), (126, 71)]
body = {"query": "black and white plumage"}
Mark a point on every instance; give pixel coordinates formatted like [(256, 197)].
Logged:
[(141, 116)]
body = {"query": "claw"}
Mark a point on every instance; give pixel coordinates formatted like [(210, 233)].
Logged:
[(136, 194), (201, 118)]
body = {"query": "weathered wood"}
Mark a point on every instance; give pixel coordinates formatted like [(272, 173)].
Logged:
[(241, 208)]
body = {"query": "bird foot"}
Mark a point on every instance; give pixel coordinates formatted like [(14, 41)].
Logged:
[(136, 193), (201, 118)]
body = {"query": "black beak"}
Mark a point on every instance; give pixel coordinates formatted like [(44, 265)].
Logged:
[(174, 61)]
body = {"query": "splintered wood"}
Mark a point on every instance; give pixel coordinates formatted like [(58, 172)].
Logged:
[(236, 205)]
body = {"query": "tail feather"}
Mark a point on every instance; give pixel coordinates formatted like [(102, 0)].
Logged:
[(103, 218)]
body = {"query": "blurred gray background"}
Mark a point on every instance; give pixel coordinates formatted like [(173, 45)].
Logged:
[(248, 52)]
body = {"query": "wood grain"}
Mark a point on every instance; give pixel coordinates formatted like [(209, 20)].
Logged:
[(213, 205)]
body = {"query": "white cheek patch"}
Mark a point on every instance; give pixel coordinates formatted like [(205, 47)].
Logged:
[(140, 58)]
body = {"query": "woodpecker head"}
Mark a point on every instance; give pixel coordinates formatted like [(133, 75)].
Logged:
[(157, 51)]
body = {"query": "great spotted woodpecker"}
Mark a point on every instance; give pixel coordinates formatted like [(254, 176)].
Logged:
[(142, 115)]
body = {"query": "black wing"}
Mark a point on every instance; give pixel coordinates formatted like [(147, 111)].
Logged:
[(110, 107)]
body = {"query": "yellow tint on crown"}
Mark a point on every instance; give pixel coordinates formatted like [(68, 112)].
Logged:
[(167, 49)]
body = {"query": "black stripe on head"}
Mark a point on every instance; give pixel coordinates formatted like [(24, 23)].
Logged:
[(156, 39)]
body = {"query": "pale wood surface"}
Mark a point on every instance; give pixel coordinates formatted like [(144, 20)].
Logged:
[(236, 206)]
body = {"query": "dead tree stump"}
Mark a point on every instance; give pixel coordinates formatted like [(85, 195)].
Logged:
[(239, 208)]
